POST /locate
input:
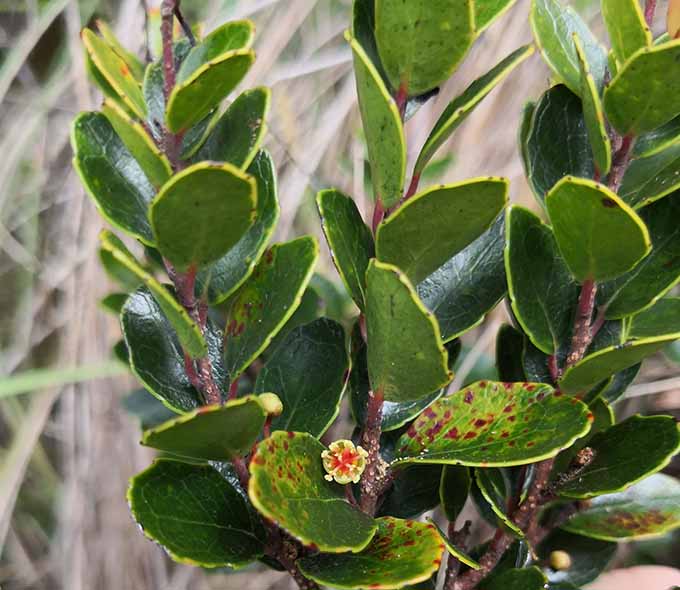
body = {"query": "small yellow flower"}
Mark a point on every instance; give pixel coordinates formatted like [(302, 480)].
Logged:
[(344, 462)]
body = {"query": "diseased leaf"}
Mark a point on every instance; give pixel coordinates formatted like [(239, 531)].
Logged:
[(349, 239), (414, 491), (406, 357), (649, 508), (458, 110), (287, 486), (492, 424), (130, 59), (417, 544), (196, 515), (111, 175), (645, 93), (652, 178), (383, 128), (627, 28), (267, 300), (454, 489), (624, 454), (599, 236), (436, 224), (309, 372)]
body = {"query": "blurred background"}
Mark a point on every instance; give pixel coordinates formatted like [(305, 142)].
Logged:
[(67, 444)]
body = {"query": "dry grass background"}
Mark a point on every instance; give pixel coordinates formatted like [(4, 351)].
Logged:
[(66, 452)]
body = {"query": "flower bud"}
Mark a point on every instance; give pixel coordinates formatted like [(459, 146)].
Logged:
[(560, 560), (344, 462), (271, 404)]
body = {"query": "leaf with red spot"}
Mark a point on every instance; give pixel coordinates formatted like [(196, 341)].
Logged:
[(287, 486), (649, 508), (402, 552), (491, 424)]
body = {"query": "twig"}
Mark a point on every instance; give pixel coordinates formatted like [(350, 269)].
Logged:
[(370, 440), (185, 26), (620, 163), (458, 539), (582, 335)]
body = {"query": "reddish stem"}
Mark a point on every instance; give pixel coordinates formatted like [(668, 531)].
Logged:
[(267, 428), (620, 163), (233, 389), (458, 539), (378, 214), (584, 312), (401, 99), (413, 187), (553, 368), (349, 495), (370, 440)]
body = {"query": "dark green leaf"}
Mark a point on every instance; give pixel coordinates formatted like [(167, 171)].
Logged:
[(349, 239), (493, 425), (516, 579), (619, 383), (287, 486), (198, 517), (453, 550), (651, 178), (487, 11), (113, 302), (406, 357), (311, 308), (627, 28), (454, 489), (146, 408), (435, 225), (495, 487), (658, 140), (309, 372), (414, 491), (267, 300), (417, 544), (662, 317), (509, 349)]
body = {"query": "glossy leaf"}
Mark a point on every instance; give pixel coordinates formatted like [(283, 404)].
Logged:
[(309, 372), (509, 348), (454, 489), (458, 110), (542, 292), (663, 316), (115, 71), (487, 11), (118, 272), (557, 142), (645, 94), (593, 112), (383, 128), (649, 508), (658, 140), (216, 433), (453, 550), (231, 271), (624, 454), (202, 212), (196, 515), (406, 357), (651, 178), (492, 424), (111, 175), (436, 224), (415, 490), (237, 135), (287, 486), (147, 408), (656, 274), (619, 384), (530, 578), (495, 488), (417, 544), (460, 299), (554, 25), (349, 239), (599, 236), (627, 28), (422, 41), (267, 300)]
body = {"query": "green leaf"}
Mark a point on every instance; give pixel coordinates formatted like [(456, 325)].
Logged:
[(460, 299), (216, 433), (656, 274), (115, 71), (311, 308), (113, 302), (197, 93), (593, 112), (287, 486), (417, 545), (118, 272), (422, 41), (202, 212), (130, 59), (589, 557), (231, 271), (149, 157), (458, 110), (111, 175), (509, 347), (309, 372), (649, 508), (599, 236), (495, 488), (619, 383), (267, 300), (658, 140), (627, 28), (188, 332), (487, 11), (349, 239), (542, 292), (196, 515), (557, 142), (645, 94), (530, 578), (146, 408), (156, 356), (454, 489), (453, 550), (624, 454), (436, 224), (406, 357), (662, 317), (651, 178), (237, 135), (415, 490), (383, 128), (554, 25), (492, 424)]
